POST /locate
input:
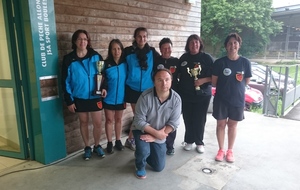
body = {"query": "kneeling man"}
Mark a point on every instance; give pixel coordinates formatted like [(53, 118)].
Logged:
[(157, 113)]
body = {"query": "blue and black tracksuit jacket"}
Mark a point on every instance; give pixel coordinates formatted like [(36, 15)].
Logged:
[(114, 82), (78, 76), (139, 79)]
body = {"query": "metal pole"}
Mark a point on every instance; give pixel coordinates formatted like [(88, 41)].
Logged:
[(287, 39), (298, 54), (287, 70)]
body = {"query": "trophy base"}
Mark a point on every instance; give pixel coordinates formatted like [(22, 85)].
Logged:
[(98, 93)]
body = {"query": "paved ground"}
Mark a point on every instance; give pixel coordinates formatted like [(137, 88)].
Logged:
[(266, 150), (294, 113)]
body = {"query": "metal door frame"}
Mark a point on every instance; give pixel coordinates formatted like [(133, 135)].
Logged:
[(15, 37)]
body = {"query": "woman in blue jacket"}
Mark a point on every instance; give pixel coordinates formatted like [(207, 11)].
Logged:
[(115, 70), (140, 61), (78, 85)]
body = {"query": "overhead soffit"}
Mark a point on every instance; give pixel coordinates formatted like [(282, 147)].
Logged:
[(289, 15)]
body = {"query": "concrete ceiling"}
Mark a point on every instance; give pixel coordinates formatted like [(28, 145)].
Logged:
[(289, 15)]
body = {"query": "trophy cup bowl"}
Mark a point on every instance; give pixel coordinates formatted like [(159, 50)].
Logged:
[(98, 77), (194, 72)]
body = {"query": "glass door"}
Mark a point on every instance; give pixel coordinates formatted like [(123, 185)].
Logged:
[(12, 119)]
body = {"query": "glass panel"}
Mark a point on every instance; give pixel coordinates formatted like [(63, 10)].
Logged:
[(4, 58), (9, 137)]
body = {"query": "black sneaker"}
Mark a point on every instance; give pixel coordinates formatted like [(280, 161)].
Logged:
[(109, 148), (170, 151), (119, 145), (87, 153)]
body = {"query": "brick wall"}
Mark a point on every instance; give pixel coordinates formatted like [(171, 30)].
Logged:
[(108, 19)]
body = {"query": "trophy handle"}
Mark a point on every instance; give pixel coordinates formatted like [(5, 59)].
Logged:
[(189, 71)]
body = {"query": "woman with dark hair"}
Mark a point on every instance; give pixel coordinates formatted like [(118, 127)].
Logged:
[(140, 60), (114, 73), (194, 87), (78, 85), (230, 75)]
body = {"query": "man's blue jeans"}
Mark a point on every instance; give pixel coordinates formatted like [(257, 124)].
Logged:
[(152, 153)]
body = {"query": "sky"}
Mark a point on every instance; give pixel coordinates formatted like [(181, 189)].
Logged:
[(282, 3)]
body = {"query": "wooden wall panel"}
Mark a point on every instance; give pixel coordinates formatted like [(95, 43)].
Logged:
[(108, 19)]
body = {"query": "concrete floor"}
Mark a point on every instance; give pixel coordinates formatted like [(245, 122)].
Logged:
[(266, 151)]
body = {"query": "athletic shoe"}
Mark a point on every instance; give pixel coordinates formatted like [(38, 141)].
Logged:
[(229, 156), (200, 149), (130, 143), (188, 147), (109, 148), (220, 156), (171, 151), (119, 145), (141, 174), (99, 151), (87, 153)]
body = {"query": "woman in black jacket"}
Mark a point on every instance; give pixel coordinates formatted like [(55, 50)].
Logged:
[(194, 87)]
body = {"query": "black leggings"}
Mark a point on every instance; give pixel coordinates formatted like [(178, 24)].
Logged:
[(194, 116)]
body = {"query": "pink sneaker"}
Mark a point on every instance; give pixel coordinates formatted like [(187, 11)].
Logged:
[(220, 156), (229, 156)]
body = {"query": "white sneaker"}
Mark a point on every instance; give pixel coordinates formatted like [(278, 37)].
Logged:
[(200, 149), (188, 147)]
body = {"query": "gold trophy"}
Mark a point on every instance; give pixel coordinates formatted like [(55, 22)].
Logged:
[(194, 72), (98, 77)]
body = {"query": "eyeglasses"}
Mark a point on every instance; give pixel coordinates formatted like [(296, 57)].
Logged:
[(82, 39)]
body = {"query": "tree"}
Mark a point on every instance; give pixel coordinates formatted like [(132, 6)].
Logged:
[(251, 19)]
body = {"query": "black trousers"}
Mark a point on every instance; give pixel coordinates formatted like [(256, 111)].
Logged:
[(194, 116), (170, 140)]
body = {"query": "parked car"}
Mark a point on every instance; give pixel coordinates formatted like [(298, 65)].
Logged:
[(277, 80), (258, 81), (277, 76), (253, 98)]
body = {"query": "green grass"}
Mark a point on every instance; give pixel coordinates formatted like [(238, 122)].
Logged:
[(256, 110), (292, 71)]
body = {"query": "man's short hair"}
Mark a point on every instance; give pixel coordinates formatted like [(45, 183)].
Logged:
[(162, 69)]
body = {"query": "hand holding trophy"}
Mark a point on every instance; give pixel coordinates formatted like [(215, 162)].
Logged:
[(194, 72), (98, 77)]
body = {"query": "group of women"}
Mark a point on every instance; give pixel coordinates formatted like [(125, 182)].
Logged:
[(128, 72)]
